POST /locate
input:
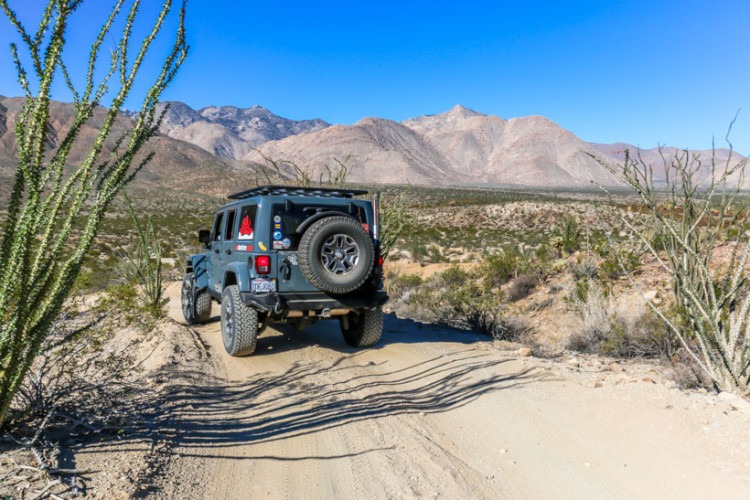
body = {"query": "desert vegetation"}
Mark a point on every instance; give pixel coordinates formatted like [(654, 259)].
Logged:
[(54, 211)]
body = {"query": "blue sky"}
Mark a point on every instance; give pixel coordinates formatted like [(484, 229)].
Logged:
[(643, 72)]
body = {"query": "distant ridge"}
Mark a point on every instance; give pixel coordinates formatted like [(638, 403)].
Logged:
[(460, 147), (228, 131)]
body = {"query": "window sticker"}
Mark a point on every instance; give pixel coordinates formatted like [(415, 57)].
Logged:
[(277, 236), (277, 245), (246, 228), (262, 246), (286, 243)]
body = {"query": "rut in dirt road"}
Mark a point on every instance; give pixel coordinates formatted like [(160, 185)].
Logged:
[(312, 397)]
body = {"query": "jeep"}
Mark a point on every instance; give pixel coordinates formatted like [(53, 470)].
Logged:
[(292, 255)]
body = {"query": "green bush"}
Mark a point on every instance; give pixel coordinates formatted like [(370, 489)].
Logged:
[(498, 269), (620, 263), (398, 284)]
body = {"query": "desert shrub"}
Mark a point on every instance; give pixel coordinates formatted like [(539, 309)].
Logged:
[(394, 219), (124, 299), (584, 270), (435, 254), (619, 263), (569, 235), (522, 287), (615, 328), (498, 269), (398, 284), (455, 298)]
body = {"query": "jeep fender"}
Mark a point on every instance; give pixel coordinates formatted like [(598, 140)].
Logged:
[(198, 264), (240, 276)]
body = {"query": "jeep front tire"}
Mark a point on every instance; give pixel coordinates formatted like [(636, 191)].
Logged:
[(336, 254), (239, 323), (196, 305), (364, 328)]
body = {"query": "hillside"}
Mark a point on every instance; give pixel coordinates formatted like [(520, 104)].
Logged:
[(177, 165)]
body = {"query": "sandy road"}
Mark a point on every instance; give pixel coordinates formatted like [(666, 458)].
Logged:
[(430, 413)]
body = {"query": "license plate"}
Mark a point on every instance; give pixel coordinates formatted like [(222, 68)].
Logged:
[(263, 285)]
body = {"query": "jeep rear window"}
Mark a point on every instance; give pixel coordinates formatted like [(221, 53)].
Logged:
[(284, 222)]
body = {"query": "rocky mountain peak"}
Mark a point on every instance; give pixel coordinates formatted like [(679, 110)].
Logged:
[(459, 111), (231, 131)]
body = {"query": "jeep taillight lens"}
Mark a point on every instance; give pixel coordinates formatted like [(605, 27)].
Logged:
[(262, 264)]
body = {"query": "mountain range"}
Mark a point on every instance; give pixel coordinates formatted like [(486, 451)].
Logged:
[(216, 146)]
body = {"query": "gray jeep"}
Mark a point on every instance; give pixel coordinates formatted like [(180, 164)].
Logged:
[(288, 254)]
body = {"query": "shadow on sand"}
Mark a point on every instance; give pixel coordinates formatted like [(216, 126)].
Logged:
[(205, 413), (327, 334)]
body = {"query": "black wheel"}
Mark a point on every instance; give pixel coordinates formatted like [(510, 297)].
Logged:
[(336, 254), (196, 306), (239, 323), (363, 328)]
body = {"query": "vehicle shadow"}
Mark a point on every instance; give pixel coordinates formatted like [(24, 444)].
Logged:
[(327, 333), (207, 413)]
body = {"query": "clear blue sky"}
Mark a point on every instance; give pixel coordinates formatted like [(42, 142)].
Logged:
[(644, 72)]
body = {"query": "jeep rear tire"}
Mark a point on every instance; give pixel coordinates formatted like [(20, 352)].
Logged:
[(364, 328), (336, 254), (196, 306), (239, 323)]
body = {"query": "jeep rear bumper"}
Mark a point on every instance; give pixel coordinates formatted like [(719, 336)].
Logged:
[(280, 303)]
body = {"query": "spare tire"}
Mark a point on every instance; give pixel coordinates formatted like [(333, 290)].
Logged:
[(336, 254)]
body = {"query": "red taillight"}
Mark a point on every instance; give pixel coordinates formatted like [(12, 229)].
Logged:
[(262, 264), (380, 261)]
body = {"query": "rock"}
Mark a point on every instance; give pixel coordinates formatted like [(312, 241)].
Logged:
[(650, 295), (524, 352), (615, 367)]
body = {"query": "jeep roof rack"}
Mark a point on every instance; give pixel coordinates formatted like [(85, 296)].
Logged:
[(296, 191)]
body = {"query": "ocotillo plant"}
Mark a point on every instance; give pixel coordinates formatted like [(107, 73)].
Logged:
[(690, 219), (54, 210)]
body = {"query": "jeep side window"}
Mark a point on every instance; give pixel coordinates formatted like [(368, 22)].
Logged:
[(229, 229), (247, 222), (216, 233)]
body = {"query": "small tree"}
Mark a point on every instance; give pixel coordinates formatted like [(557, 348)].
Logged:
[(55, 211), (689, 220)]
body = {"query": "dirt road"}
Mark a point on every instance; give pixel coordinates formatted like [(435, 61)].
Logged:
[(434, 412)]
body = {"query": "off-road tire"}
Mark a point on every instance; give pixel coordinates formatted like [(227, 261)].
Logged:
[(196, 306), (363, 329), (328, 269), (239, 323)]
